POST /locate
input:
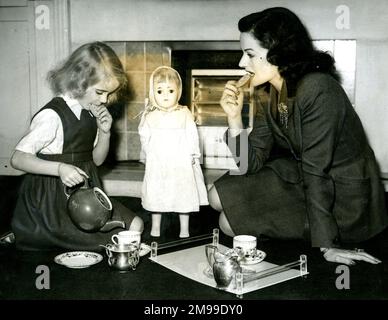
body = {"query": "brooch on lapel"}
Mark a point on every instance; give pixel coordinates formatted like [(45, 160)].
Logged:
[(283, 111)]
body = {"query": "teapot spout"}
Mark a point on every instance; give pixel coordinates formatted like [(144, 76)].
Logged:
[(112, 224)]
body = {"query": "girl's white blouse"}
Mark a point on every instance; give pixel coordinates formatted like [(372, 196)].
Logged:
[(45, 134)]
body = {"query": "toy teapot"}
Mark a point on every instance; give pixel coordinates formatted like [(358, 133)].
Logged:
[(90, 209)]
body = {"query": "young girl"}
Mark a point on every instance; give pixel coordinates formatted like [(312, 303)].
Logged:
[(67, 138), (173, 179)]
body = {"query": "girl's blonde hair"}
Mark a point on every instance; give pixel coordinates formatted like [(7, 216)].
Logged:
[(86, 66)]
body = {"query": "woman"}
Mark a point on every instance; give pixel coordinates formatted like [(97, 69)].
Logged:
[(311, 173), (67, 139)]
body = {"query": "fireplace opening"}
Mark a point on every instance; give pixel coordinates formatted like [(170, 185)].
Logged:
[(186, 60)]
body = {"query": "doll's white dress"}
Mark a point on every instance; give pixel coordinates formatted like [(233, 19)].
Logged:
[(173, 180)]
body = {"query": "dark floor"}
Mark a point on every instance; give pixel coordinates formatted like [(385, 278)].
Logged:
[(151, 281)]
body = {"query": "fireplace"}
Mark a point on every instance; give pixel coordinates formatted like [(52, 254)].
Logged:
[(206, 87), (193, 59)]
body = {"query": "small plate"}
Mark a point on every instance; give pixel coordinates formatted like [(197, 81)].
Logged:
[(144, 249), (260, 256), (78, 259)]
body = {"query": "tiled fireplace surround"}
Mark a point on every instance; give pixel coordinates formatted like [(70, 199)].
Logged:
[(142, 57), (139, 60), (123, 175)]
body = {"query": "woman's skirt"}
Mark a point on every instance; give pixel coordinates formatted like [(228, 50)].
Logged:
[(264, 205)]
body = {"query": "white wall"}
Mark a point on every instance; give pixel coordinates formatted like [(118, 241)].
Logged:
[(215, 19), (34, 38), (14, 80), (372, 95)]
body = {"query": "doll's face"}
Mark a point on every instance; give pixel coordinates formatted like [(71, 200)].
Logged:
[(166, 94)]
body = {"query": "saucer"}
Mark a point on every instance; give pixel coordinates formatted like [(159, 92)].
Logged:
[(78, 259), (258, 257), (144, 249)]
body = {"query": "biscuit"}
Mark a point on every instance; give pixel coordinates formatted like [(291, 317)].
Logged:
[(243, 80)]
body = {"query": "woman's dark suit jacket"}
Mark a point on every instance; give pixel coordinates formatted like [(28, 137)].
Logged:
[(328, 154)]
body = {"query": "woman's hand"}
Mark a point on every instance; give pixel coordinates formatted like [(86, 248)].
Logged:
[(232, 100), (348, 256), (71, 175), (104, 118)]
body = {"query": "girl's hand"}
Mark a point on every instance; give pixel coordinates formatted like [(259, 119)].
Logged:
[(232, 100), (348, 256), (104, 118), (71, 175)]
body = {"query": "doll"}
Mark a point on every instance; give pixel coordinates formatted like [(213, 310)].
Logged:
[(173, 180)]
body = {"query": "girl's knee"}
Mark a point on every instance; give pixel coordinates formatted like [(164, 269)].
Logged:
[(214, 199), (137, 224)]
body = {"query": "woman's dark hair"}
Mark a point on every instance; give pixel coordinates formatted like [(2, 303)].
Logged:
[(289, 44), (86, 66)]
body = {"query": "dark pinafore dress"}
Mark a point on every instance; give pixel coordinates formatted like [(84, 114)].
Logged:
[(40, 219)]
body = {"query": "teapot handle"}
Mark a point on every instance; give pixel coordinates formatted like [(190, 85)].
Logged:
[(85, 186)]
